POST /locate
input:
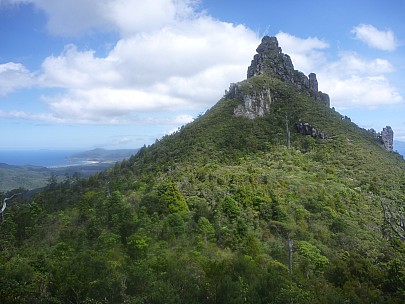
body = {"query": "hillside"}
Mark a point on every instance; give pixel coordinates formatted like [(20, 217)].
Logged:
[(271, 196)]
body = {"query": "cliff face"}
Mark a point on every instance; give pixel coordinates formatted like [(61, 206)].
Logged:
[(386, 137), (252, 105)]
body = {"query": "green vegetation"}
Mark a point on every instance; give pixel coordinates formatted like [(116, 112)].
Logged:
[(205, 215)]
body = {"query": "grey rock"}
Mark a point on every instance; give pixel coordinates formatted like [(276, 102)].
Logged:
[(313, 82), (252, 105), (306, 129), (385, 137), (272, 61), (324, 98)]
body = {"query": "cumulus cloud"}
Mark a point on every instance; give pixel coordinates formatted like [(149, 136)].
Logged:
[(170, 60), (365, 92), (14, 76), (375, 38), (185, 66), (108, 106), (355, 82), (75, 17), (351, 63), (306, 53)]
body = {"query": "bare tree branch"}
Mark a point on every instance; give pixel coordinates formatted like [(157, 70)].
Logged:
[(394, 215), (3, 208)]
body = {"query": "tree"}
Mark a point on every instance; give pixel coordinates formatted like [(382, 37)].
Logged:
[(206, 229), (171, 199), (312, 259)]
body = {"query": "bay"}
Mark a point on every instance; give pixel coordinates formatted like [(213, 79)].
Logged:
[(43, 158)]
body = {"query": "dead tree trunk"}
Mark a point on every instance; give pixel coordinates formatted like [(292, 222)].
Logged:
[(290, 249), (394, 215), (287, 131), (3, 208)]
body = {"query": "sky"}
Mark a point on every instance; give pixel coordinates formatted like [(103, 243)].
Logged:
[(83, 74)]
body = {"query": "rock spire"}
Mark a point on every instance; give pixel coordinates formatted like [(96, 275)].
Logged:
[(271, 60), (385, 137)]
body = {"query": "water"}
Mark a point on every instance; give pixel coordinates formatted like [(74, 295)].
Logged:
[(399, 146), (44, 158)]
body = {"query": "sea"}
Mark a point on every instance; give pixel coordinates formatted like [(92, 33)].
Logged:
[(43, 158)]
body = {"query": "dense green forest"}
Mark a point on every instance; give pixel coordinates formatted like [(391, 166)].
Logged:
[(220, 212)]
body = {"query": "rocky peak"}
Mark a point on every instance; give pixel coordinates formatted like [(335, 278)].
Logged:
[(313, 82), (385, 137), (272, 61)]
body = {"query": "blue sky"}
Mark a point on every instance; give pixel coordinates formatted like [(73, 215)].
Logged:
[(80, 74)]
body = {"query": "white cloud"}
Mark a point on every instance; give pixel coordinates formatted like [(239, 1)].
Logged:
[(108, 106), (74, 69), (14, 76), (173, 59), (185, 66), (305, 53), (170, 57), (382, 40), (43, 117), (142, 15), (355, 82), (351, 63), (75, 17), (360, 91)]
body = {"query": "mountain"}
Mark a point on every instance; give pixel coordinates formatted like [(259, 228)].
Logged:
[(271, 196)]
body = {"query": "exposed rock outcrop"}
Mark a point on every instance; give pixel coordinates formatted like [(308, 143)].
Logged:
[(385, 137), (252, 105), (271, 60), (306, 129), (313, 82)]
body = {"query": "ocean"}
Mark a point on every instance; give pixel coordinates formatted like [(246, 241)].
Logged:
[(43, 158)]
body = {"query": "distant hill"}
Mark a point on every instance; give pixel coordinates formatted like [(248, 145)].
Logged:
[(271, 196), (101, 155), (85, 164)]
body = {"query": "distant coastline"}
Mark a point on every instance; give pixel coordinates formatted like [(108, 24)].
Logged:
[(31, 169), (41, 158), (62, 158)]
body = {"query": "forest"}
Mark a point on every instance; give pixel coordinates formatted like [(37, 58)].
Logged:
[(225, 210)]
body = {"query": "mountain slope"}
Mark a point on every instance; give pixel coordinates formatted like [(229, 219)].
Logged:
[(223, 211)]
